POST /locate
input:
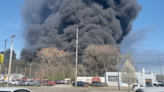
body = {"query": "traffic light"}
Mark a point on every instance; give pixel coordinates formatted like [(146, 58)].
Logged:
[(1, 58)]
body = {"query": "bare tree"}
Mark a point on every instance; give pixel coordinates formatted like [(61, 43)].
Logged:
[(100, 59), (130, 58), (128, 73)]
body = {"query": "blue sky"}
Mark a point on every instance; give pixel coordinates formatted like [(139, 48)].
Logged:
[(146, 44)]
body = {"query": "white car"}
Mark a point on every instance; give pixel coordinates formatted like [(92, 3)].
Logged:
[(151, 89), (27, 82), (137, 86), (1, 81), (14, 89), (14, 82)]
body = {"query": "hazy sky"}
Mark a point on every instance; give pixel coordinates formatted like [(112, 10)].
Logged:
[(145, 42)]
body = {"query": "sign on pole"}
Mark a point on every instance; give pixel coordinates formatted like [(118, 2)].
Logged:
[(1, 58)]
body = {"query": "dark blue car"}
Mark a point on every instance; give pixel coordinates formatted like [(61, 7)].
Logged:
[(79, 83)]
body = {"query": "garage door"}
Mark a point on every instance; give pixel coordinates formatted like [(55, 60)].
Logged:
[(148, 80)]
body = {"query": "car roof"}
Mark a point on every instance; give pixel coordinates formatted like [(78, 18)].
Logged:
[(153, 89), (11, 88)]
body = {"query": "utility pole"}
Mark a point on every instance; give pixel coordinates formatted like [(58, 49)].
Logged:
[(118, 78), (76, 57), (4, 63), (10, 62), (30, 69), (160, 64), (53, 75), (42, 76)]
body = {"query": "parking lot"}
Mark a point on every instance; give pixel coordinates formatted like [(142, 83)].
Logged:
[(68, 88)]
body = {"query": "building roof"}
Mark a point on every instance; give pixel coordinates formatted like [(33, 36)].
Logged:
[(29, 77), (160, 77), (11, 89), (15, 75)]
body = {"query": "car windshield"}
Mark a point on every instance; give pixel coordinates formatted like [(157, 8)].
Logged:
[(135, 85)]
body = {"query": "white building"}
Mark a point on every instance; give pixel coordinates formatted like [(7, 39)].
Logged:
[(12, 76), (142, 78), (89, 79)]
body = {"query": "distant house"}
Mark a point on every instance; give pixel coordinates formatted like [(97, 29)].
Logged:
[(27, 78), (160, 78)]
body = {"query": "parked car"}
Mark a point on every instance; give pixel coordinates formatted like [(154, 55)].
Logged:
[(50, 83), (79, 83), (14, 82), (61, 81), (150, 89), (39, 83), (32, 83), (14, 89), (98, 84), (57, 82), (161, 85), (137, 86), (1, 81), (27, 82), (21, 83)]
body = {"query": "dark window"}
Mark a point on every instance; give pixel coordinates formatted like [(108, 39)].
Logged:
[(22, 90), (112, 78), (5, 91), (17, 91)]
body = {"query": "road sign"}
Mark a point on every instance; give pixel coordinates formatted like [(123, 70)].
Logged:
[(1, 58)]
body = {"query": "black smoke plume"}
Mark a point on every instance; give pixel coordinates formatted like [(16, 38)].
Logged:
[(54, 22)]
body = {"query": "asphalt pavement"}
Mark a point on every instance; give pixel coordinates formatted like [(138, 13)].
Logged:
[(68, 88)]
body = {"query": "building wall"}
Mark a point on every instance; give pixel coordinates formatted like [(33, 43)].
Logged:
[(89, 79), (140, 76), (28, 79)]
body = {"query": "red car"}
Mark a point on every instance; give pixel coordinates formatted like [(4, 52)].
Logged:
[(50, 83)]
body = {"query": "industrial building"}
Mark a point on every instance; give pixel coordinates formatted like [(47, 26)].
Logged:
[(111, 78)]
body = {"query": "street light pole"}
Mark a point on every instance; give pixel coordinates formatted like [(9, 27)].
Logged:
[(118, 75), (76, 57), (10, 62), (4, 63), (160, 64)]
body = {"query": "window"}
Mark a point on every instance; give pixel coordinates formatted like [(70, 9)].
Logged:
[(22, 90), (112, 78)]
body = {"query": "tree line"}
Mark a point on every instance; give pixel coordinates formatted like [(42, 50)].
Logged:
[(59, 64)]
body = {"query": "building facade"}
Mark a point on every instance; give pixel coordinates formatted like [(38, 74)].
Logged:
[(142, 78), (12, 77), (28, 78), (90, 79)]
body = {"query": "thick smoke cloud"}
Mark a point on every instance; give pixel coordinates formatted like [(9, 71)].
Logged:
[(27, 55), (54, 22)]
